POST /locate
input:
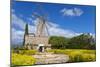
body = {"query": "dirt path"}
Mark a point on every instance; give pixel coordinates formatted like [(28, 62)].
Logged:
[(49, 58)]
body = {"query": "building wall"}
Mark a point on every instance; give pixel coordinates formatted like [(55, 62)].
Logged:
[(32, 42)]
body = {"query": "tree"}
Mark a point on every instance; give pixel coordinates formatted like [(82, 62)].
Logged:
[(83, 41), (26, 33), (58, 42), (26, 29)]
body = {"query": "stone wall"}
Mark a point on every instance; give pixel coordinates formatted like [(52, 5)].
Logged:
[(33, 42)]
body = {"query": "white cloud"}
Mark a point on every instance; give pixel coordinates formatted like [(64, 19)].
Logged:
[(72, 12), (31, 28), (93, 35), (78, 11), (52, 24), (62, 32), (17, 36), (30, 19), (17, 21)]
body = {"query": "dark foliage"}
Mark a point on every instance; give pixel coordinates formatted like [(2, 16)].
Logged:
[(83, 41), (26, 33)]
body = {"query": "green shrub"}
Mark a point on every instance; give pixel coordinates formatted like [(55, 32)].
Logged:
[(74, 56), (57, 51), (26, 52), (78, 58), (18, 59), (89, 57)]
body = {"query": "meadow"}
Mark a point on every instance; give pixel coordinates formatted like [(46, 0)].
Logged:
[(24, 57), (77, 55)]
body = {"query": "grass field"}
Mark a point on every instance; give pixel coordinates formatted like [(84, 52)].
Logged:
[(77, 55), (24, 57)]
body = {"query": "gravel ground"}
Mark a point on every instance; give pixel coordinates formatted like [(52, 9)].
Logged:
[(49, 58)]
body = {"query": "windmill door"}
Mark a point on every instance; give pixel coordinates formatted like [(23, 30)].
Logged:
[(41, 49)]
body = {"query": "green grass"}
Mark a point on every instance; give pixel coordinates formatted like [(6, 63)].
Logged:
[(23, 57), (77, 55), (25, 52), (19, 59)]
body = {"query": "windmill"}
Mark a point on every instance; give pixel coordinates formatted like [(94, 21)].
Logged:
[(39, 41), (42, 24)]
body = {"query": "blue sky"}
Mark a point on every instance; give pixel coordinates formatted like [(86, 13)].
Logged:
[(66, 19)]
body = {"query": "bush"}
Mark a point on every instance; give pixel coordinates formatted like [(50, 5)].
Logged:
[(79, 56), (18, 59), (75, 56), (26, 52), (57, 51), (58, 42), (89, 57)]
